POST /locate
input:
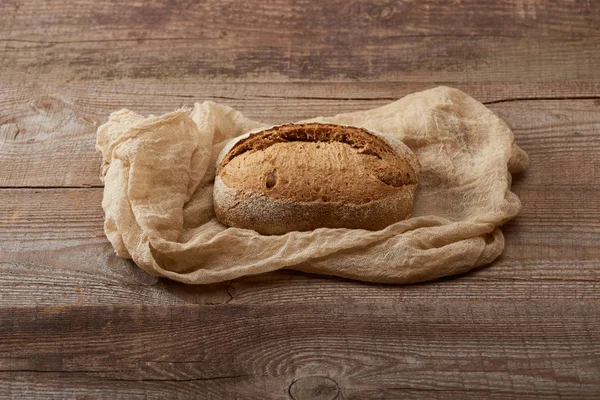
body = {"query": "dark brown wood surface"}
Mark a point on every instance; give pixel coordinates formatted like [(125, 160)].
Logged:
[(78, 322)]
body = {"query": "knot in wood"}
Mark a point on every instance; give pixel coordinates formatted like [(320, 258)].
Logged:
[(314, 388)]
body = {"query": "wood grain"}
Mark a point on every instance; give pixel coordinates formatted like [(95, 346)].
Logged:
[(551, 253), (335, 20), (415, 60), (527, 349), (300, 41), (78, 322), (47, 134)]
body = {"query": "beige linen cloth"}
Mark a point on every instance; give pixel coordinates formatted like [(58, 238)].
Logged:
[(158, 174)]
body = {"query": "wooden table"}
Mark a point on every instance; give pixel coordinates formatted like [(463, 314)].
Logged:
[(78, 322)]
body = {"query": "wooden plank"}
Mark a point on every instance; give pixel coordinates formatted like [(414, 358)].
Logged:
[(47, 134), (521, 349), (61, 286), (53, 252), (58, 386), (470, 59), (335, 22), (42, 219), (300, 41)]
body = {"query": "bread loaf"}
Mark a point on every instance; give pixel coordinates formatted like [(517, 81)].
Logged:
[(300, 177)]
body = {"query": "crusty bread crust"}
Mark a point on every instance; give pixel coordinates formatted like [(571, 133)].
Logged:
[(270, 216), (308, 176)]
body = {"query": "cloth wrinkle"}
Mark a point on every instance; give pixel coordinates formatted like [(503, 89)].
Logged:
[(159, 171)]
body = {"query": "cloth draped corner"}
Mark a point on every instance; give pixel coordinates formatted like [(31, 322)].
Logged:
[(158, 173)]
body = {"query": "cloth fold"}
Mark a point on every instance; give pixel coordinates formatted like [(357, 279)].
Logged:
[(158, 173)]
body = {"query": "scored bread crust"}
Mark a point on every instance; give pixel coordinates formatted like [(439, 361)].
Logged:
[(238, 203)]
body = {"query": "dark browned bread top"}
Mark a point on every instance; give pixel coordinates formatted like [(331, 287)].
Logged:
[(317, 162)]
